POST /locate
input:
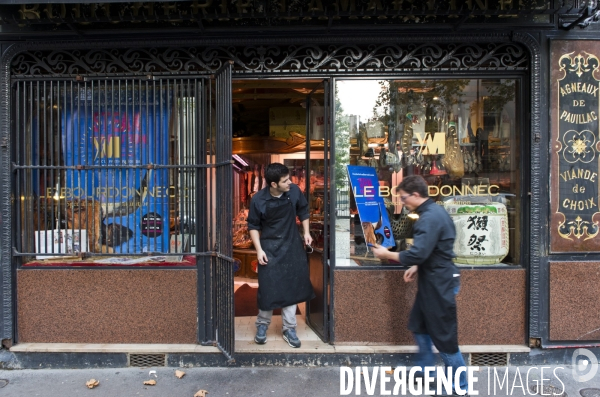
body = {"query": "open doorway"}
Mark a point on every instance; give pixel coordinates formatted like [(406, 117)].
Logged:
[(271, 120)]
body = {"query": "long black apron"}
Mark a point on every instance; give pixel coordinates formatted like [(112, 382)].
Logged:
[(284, 280), (434, 311)]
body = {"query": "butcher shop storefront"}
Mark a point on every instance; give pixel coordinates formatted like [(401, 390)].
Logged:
[(134, 135)]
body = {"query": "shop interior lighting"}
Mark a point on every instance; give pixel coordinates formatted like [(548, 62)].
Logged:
[(240, 160)]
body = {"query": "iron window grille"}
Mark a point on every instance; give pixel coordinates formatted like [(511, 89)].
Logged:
[(116, 162)]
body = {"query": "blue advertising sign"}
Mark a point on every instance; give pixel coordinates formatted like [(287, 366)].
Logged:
[(119, 134), (371, 207)]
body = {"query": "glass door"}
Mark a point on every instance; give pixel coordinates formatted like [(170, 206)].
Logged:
[(318, 137)]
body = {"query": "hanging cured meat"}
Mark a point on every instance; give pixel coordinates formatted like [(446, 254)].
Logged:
[(243, 186)]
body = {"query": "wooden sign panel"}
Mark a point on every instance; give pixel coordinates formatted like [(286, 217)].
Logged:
[(575, 77)]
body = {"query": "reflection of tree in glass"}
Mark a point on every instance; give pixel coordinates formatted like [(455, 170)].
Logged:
[(342, 145), (418, 94), (498, 95)]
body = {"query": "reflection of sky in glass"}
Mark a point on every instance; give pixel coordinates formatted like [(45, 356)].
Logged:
[(358, 97)]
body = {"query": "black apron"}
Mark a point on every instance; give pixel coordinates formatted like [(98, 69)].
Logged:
[(434, 311), (284, 280)]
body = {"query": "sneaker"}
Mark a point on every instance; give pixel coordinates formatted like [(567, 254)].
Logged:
[(290, 337), (261, 334)]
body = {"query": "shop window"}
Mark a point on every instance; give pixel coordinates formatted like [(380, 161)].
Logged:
[(106, 172), (461, 135)]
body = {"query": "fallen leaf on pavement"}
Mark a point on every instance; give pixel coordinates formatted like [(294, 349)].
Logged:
[(201, 393), (179, 374), (92, 383), (150, 382), (390, 372)]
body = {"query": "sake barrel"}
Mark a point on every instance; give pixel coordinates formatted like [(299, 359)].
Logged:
[(481, 232)]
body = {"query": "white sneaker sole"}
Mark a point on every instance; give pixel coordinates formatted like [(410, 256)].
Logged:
[(285, 338), (260, 343)]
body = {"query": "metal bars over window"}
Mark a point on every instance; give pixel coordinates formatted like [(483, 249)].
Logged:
[(223, 262), (110, 168)]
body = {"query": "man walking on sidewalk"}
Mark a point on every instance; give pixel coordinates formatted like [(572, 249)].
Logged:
[(433, 316), (283, 279)]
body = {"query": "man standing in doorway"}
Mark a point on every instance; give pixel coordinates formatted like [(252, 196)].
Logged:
[(283, 279), (433, 316)]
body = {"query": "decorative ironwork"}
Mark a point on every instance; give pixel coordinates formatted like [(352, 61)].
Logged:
[(588, 12), (273, 58)]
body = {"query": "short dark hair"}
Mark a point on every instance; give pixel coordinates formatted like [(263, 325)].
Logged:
[(414, 184), (274, 172)]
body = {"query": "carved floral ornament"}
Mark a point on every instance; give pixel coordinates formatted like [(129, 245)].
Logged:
[(336, 58), (579, 146), (579, 64)]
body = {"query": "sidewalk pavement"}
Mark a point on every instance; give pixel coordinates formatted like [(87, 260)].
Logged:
[(262, 381)]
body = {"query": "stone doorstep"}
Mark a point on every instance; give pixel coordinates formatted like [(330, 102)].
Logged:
[(194, 348)]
